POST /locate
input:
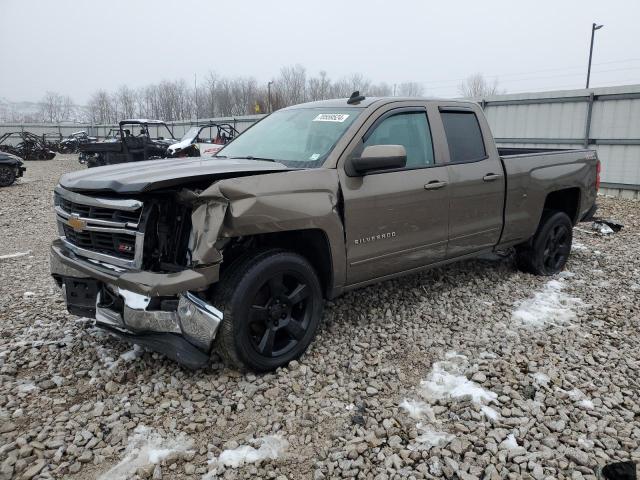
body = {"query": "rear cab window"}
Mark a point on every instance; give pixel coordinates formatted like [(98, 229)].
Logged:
[(464, 136)]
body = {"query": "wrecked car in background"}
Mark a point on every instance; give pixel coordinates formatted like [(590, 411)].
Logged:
[(72, 143), (11, 168), (139, 139), (25, 145), (203, 140), (236, 253)]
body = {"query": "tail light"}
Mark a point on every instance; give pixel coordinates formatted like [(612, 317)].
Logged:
[(598, 168)]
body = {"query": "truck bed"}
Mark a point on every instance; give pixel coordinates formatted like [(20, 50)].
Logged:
[(532, 173)]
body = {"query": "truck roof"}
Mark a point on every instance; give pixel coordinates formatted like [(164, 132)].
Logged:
[(368, 101)]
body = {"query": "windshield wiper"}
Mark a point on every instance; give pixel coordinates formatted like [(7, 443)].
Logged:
[(251, 157), (219, 156)]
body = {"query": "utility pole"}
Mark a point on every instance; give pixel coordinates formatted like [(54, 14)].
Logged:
[(195, 90), (594, 27), (269, 94)]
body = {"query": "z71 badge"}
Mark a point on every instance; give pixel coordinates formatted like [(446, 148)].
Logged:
[(374, 238)]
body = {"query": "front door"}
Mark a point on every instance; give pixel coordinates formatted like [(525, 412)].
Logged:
[(396, 220)]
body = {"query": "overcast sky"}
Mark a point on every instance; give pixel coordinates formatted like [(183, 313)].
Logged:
[(77, 47)]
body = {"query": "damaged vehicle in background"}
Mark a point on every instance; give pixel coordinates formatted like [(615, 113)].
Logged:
[(203, 140), (139, 139), (72, 143), (25, 145), (235, 254), (11, 168)]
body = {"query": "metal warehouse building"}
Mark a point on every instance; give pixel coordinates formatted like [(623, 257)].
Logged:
[(606, 119)]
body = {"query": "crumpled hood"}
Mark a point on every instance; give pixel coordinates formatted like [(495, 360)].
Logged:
[(150, 175)]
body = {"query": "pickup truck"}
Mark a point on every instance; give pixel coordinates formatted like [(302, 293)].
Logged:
[(236, 253)]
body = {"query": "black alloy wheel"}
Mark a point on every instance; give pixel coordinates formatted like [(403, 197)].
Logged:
[(272, 303)]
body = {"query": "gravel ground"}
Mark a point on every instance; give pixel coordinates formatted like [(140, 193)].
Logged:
[(471, 371)]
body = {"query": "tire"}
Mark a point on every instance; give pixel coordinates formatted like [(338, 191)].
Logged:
[(548, 251), (7, 175), (272, 305)]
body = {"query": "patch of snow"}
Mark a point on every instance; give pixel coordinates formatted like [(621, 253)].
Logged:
[(588, 404), (509, 443), (271, 447), (433, 438), (489, 412), (350, 407), (418, 410), (540, 378), (550, 306), (145, 446), (581, 399), (447, 381), (15, 255), (586, 443)]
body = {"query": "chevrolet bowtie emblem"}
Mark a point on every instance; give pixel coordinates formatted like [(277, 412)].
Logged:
[(75, 222)]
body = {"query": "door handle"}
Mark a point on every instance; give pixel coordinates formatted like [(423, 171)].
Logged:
[(435, 185), (490, 177)]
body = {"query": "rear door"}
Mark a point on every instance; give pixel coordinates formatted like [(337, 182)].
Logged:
[(396, 220), (477, 182)]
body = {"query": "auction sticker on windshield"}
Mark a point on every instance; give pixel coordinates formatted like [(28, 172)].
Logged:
[(331, 117)]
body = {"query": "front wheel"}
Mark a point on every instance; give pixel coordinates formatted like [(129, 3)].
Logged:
[(7, 175), (272, 305), (548, 251)]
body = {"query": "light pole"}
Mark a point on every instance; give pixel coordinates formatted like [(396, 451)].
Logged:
[(269, 94), (594, 27)]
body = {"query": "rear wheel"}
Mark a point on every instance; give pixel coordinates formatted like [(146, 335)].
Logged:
[(7, 175), (272, 305), (548, 251)]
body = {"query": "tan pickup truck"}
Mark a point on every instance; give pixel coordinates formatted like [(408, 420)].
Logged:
[(235, 254)]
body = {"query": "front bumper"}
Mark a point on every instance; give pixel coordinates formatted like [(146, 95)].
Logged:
[(162, 313), (65, 263)]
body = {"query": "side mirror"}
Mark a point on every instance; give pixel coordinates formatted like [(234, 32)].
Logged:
[(377, 157)]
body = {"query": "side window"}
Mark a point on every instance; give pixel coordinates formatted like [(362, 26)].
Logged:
[(463, 136), (410, 130)]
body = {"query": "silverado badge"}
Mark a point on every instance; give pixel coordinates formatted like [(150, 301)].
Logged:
[(75, 222)]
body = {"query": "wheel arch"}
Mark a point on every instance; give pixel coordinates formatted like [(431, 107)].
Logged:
[(565, 200), (313, 244)]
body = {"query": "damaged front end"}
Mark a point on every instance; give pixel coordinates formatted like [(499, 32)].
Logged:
[(145, 263), (128, 264)]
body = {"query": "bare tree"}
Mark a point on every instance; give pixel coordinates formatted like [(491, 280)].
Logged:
[(318, 87), (100, 108), (475, 86), (126, 102), (410, 89), (217, 96), (291, 85), (51, 107)]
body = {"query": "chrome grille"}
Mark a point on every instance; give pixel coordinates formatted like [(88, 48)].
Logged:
[(101, 229)]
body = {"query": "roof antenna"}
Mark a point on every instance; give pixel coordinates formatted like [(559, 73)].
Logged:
[(355, 98)]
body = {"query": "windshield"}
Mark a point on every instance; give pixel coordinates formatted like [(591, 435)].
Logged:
[(191, 134), (301, 138)]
